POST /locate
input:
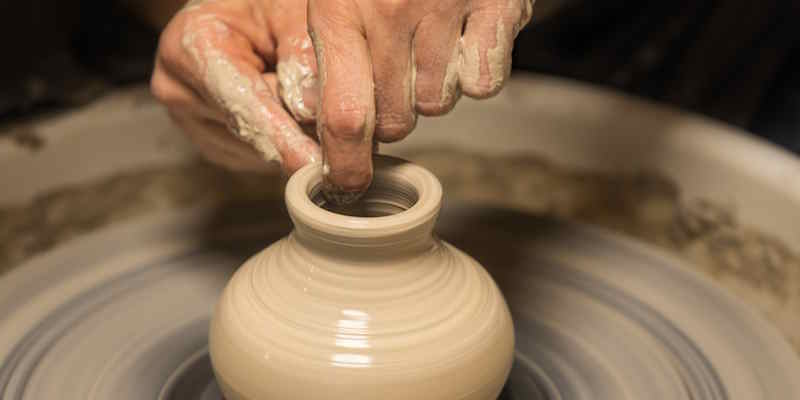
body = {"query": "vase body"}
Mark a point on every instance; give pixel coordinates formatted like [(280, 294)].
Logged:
[(364, 306)]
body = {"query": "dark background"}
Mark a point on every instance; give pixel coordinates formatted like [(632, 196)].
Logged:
[(738, 61)]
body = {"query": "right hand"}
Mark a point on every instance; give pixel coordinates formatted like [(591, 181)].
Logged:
[(382, 62)]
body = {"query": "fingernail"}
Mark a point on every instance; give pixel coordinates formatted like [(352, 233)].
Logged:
[(344, 180), (337, 194), (340, 198)]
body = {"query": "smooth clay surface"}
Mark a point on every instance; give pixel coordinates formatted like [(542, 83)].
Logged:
[(365, 306)]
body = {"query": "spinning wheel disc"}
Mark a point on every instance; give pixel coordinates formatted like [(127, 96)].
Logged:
[(123, 313)]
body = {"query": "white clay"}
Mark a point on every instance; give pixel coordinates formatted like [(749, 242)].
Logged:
[(450, 88), (362, 307), (499, 59), (469, 72), (410, 85), (295, 77), (234, 92), (527, 14)]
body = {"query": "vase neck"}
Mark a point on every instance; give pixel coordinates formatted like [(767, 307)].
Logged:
[(395, 216), (373, 249)]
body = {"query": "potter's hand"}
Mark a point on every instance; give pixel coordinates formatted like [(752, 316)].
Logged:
[(213, 71), (383, 61)]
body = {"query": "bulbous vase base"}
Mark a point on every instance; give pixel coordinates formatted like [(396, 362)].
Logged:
[(358, 306)]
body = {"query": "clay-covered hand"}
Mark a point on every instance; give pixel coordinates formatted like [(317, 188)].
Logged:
[(383, 61), (216, 72)]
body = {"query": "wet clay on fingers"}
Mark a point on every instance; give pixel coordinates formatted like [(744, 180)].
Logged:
[(214, 73), (382, 62)]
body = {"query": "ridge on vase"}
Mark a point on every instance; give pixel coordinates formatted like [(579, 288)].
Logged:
[(362, 302)]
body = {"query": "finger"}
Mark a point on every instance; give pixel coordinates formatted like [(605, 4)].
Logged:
[(346, 118), (486, 47), (297, 65), (248, 21), (179, 55), (213, 140), (178, 97), (223, 63), (394, 76), (436, 54)]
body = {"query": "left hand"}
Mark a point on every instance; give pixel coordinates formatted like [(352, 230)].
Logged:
[(216, 73)]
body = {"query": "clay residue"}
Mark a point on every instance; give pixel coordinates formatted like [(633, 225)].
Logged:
[(498, 64), (469, 65), (295, 78), (498, 59), (755, 266), (409, 86), (450, 88), (229, 87), (527, 14)]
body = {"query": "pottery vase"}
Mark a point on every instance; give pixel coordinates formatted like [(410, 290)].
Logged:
[(362, 303)]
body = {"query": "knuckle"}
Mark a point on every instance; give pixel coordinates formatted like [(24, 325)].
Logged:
[(169, 46), (160, 88), (186, 34), (348, 124), (392, 7)]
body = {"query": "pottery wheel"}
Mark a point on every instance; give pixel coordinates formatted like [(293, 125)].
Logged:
[(123, 313)]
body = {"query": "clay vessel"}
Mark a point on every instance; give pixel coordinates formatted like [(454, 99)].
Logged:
[(362, 303)]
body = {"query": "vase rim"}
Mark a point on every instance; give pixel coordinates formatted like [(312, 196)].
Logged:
[(307, 214)]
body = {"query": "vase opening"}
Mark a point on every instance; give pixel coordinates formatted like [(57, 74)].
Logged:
[(401, 205), (387, 195)]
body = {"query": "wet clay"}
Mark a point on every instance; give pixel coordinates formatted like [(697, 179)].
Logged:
[(498, 59), (230, 88), (483, 75), (295, 78)]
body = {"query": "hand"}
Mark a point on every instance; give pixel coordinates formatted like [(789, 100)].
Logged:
[(214, 71), (383, 61)]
